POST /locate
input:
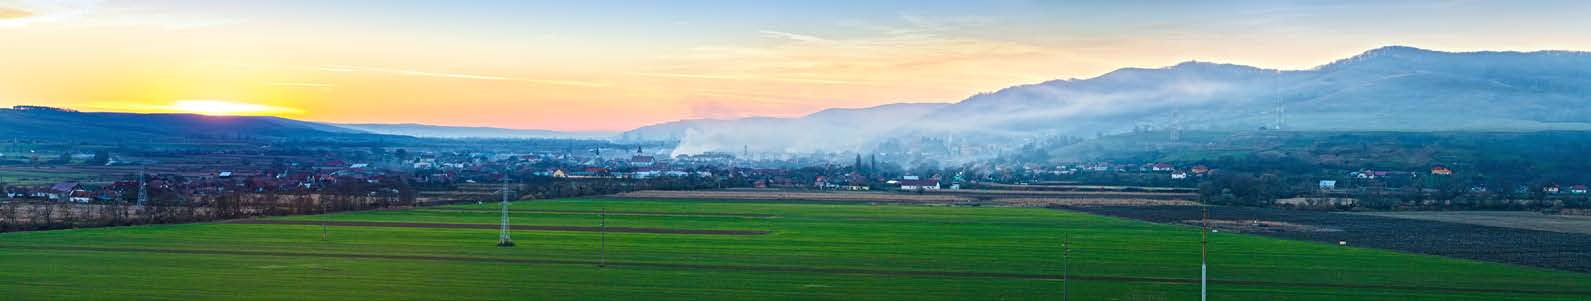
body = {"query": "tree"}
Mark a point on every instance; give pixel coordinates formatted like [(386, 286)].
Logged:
[(101, 157), (858, 165)]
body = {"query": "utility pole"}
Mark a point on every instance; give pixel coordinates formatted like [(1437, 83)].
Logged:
[(1204, 255), (143, 187), (502, 238), (602, 247), (1066, 253)]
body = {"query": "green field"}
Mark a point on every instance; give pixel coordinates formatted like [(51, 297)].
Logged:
[(813, 251)]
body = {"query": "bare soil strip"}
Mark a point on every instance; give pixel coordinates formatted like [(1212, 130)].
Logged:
[(636, 213), (621, 264), (494, 226), (787, 196), (1507, 219), (991, 193), (1545, 249)]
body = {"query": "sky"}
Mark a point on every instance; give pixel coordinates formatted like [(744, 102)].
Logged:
[(615, 65)]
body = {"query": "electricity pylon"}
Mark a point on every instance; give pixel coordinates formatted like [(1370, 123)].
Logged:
[(502, 238)]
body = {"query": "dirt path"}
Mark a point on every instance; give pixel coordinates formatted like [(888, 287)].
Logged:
[(493, 226), (630, 213), (855, 271)]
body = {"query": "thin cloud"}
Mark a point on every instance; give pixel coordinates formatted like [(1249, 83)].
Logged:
[(347, 68), (791, 36), (747, 78), (14, 13), (95, 13), (298, 84)]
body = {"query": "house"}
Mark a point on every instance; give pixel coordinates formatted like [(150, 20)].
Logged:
[(822, 182), (1441, 171), (929, 184), (642, 161), (1162, 167), (1178, 175), (1577, 189), (1550, 188), (80, 196), (62, 191), (1328, 184), (1199, 169)]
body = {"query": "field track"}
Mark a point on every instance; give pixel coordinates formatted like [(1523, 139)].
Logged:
[(631, 213), (494, 226), (792, 269)]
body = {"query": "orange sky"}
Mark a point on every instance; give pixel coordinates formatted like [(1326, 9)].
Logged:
[(614, 66)]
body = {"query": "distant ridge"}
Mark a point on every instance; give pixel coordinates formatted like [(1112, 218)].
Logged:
[(439, 131), (35, 122), (1393, 88)]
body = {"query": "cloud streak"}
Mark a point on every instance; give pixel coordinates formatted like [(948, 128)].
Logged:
[(298, 84), (408, 72), (791, 36), (7, 13)]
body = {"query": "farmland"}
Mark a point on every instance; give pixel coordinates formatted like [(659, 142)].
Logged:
[(729, 249), (1506, 219), (1548, 249)]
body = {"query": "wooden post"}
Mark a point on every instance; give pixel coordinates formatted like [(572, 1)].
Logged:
[(1204, 255), (603, 245), (1066, 252)]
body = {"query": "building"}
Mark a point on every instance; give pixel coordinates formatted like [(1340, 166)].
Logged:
[(1577, 189), (1162, 167), (1178, 175), (1328, 184), (1441, 171), (642, 161), (929, 184), (1550, 188)]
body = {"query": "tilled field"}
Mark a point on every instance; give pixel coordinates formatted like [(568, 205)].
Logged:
[(791, 196), (1553, 250)]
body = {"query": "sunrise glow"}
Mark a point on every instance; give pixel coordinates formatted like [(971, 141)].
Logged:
[(561, 64), (221, 107)]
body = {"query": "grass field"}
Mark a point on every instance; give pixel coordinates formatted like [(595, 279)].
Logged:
[(810, 251)]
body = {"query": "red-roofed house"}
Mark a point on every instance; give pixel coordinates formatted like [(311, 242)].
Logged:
[(1441, 171)]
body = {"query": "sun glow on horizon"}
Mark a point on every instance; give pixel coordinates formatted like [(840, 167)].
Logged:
[(227, 108)]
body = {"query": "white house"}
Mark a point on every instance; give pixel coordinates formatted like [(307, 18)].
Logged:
[(929, 184)]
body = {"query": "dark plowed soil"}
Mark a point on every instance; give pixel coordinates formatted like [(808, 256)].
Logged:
[(492, 226), (1553, 250), (632, 213), (621, 264)]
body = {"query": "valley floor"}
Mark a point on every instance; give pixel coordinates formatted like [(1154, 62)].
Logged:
[(723, 250)]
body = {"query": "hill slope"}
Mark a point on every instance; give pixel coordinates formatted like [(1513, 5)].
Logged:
[(67, 125)]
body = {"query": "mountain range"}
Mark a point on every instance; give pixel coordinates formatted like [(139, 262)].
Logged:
[(1392, 88)]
